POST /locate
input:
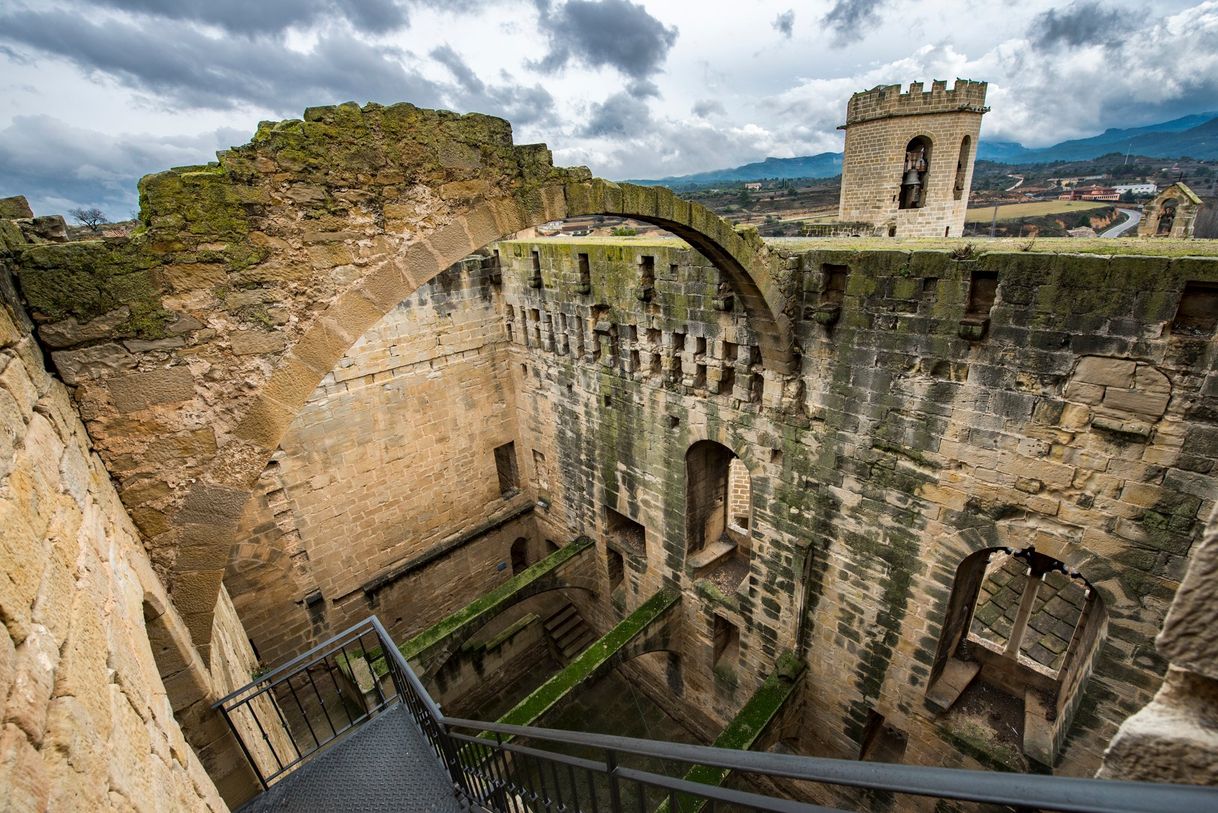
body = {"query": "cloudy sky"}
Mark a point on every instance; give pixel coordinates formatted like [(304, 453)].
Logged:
[(94, 94)]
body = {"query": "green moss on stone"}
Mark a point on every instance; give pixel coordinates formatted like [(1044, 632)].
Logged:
[(745, 728), (493, 602), (587, 662)]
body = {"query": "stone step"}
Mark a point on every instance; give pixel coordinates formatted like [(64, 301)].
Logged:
[(580, 644), (560, 617), (572, 622), (572, 632)]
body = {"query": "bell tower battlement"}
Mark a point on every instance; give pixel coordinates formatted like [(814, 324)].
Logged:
[(887, 101), (908, 162)]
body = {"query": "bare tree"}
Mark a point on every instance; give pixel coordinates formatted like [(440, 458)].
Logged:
[(92, 217)]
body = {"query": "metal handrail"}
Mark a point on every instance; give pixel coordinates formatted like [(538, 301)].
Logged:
[(493, 772)]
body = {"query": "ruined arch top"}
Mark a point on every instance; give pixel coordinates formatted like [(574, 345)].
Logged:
[(193, 343)]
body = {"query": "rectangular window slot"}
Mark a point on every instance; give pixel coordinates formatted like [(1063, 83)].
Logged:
[(635, 361), (625, 532), (881, 742), (617, 569), (700, 376), (700, 346), (756, 388), (585, 275), (505, 467), (535, 279), (726, 636), (657, 364), (1197, 313), (834, 292), (647, 271), (727, 382), (729, 352), (983, 290)]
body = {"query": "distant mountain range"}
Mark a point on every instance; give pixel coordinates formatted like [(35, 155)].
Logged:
[(1194, 136)]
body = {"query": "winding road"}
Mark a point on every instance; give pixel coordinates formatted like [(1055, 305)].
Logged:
[(1119, 229)]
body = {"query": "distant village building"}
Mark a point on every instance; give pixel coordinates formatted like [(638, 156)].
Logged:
[(1172, 214), (1137, 188), (908, 162), (1091, 193), (752, 187)]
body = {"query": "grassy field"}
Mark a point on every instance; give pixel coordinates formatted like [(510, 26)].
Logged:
[(1014, 211)]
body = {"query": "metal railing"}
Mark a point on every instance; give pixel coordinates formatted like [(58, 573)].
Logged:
[(518, 769)]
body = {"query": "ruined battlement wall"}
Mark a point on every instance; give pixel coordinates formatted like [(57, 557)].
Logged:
[(1074, 413), (886, 101), (94, 662)]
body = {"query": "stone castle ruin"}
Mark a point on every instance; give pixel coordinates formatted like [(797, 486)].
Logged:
[(955, 504)]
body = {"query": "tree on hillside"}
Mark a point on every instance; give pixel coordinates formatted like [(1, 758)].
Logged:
[(92, 217)]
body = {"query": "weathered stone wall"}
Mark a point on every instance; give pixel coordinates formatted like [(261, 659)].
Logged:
[(1076, 420), (88, 723), (391, 460), (879, 125)]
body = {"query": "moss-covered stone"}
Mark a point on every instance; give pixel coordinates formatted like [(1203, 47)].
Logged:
[(490, 604)]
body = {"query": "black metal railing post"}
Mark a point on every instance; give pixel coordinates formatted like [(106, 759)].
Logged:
[(615, 792)]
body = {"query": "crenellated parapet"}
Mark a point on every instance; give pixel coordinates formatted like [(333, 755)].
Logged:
[(887, 101)]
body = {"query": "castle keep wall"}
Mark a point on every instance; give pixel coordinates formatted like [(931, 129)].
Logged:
[(391, 460), (1071, 414)]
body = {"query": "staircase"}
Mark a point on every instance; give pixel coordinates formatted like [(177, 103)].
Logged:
[(568, 632)]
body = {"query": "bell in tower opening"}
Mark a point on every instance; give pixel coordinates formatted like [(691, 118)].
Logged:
[(913, 177)]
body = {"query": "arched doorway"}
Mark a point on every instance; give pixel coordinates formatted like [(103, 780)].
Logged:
[(718, 514)]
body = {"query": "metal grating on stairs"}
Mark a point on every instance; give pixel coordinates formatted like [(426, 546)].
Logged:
[(386, 764)]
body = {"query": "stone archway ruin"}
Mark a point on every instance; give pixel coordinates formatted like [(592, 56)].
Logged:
[(193, 344)]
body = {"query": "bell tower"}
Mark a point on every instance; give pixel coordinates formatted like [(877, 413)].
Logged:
[(908, 164)]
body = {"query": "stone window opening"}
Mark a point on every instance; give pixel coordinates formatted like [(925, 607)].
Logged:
[(1197, 313), (915, 172), (510, 322), (505, 468), (966, 144), (756, 378), (520, 555), (616, 567), (718, 510), (1024, 624), (1167, 217), (647, 278), (535, 277), (726, 645), (585, 275), (700, 362), (624, 534), (881, 741)]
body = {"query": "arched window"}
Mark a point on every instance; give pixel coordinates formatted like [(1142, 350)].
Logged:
[(966, 144), (718, 510), (1027, 626), (1167, 217), (915, 172)]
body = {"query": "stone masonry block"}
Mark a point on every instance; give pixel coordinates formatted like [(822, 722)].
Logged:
[(138, 391), (1106, 372)]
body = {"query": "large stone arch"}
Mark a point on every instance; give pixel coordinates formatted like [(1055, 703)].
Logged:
[(194, 343)]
